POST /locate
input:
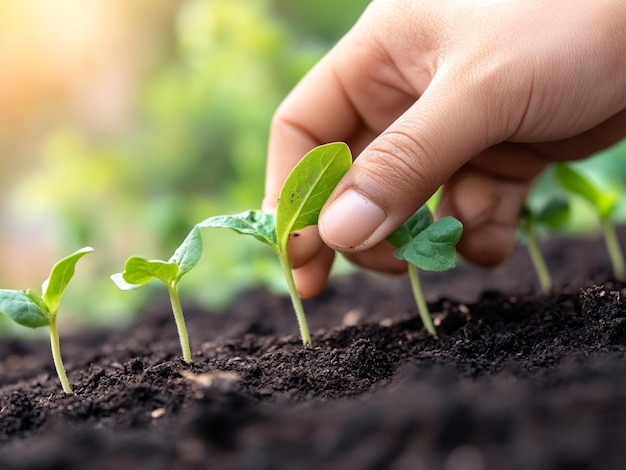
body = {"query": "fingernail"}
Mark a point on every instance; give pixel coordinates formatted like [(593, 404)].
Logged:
[(350, 220)]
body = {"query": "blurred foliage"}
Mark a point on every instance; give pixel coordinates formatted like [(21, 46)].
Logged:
[(196, 147), (607, 167)]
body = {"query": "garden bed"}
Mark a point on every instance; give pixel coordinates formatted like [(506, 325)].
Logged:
[(517, 380)]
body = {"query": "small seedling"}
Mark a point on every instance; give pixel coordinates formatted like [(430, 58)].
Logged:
[(139, 271), (427, 245), (30, 309), (551, 216), (605, 202), (301, 199)]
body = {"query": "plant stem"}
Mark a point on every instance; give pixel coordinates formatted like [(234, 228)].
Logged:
[(296, 301), (614, 249), (545, 281), (56, 355), (180, 322), (419, 300)]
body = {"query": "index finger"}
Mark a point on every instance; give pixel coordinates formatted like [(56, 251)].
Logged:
[(317, 111)]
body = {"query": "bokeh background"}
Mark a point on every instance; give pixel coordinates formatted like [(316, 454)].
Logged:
[(125, 123)]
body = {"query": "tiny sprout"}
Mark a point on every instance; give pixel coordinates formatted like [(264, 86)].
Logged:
[(302, 197), (139, 271), (428, 245), (605, 202), (30, 309), (551, 216)]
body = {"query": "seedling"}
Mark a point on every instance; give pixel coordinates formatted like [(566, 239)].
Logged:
[(30, 309), (139, 271), (302, 196), (551, 216), (427, 245), (605, 202)]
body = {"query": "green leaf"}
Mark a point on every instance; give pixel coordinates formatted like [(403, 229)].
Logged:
[(139, 271), (120, 282), (189, 252), (577, 183), (307, 188), (22, 309), (60, 276), (554, 214), (434, 248), (35, 297), (261, 225), (527, 215), (421, 219)]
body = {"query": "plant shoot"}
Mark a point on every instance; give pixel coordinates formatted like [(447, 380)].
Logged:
[(139, 271), (551, 216), (302, 197), (604, 201), (30, 309), (427, 245)]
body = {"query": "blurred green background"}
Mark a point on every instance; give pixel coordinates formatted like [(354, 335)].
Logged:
[(125, 123)]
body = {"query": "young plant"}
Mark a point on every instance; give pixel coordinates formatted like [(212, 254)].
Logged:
[(551, 216), (427, 245), (605, 202), (30, 309), (302, 196), (139, 271)]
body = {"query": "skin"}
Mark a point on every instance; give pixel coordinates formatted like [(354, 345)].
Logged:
[(477, 96)]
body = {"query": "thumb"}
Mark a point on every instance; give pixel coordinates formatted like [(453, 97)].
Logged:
[(399, 170)]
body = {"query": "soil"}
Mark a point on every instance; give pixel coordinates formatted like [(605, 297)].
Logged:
[(517, 379)]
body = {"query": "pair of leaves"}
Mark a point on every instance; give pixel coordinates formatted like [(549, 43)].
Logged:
[(429, 245), (552, 215), (302, 197), (604, 200), (139, 271), (34, 310)]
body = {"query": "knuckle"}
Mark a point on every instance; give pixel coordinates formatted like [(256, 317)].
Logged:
[(281, 124), (403, 159)]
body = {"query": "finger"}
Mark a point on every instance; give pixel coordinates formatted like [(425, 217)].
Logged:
[(304, 245), (589, 142), (311, 277), (351, 95), (403, 167), (493, 241), (315, 112), (378, 258), (489, 207)]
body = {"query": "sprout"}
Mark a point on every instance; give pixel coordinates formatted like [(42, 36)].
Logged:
[(33, 310), (427, 245), (302, 197), (139, 271), (605, 202)]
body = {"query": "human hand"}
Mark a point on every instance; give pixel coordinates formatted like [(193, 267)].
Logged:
[(478, 96)]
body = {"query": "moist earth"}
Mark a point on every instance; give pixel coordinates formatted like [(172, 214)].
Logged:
[(518, 379)]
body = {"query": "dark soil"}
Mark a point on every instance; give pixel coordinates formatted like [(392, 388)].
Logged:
[(517, 380)]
